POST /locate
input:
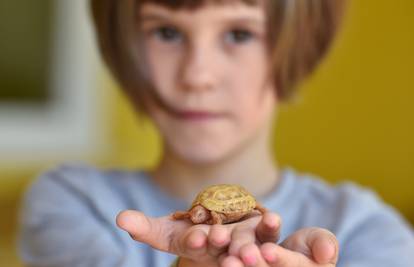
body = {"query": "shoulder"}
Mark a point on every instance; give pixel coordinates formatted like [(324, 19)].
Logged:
[(64, 177), (345, 202), (81, 178), (73, 174), (347, 196), (64, 180), (78, 188)]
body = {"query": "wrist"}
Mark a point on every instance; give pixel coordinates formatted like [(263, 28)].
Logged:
[(183, 262), (175, 262)]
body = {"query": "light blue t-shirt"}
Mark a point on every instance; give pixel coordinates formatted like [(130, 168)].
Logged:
[(68, 219)]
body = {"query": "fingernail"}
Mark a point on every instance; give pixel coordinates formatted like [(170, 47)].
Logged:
[(270, 225), (270, 258), (250, 260), (271, 222), (325, 250)]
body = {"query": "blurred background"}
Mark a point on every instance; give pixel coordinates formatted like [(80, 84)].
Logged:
[(354, 118)]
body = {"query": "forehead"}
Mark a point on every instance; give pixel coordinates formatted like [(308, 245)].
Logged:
[(211, 11), (194, 4)]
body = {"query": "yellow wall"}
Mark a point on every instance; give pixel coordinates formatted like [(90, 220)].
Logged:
[(354, 119)]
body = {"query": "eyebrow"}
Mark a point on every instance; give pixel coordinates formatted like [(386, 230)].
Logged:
[(230, 20)]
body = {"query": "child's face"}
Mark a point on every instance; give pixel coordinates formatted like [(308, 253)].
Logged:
[(209, 67)]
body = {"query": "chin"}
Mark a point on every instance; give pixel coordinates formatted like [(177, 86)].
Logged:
[(202, 155)]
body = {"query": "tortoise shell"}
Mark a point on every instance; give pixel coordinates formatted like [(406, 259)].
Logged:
[(226, 198)]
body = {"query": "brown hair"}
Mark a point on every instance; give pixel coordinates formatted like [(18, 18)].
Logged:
[(300, 34)]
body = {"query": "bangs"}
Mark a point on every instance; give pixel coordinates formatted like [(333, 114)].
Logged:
[(194, 4)]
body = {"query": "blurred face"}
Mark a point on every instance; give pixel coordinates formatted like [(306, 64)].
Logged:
[(208, 67)]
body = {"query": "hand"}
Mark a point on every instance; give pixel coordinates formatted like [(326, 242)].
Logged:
[(309, 247), (201, 245)]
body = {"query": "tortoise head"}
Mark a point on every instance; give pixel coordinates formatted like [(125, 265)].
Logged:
[(199, 214)]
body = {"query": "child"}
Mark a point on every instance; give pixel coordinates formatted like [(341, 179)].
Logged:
[(210, 74)]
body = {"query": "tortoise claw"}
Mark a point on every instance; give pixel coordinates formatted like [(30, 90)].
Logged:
[(260, 208)]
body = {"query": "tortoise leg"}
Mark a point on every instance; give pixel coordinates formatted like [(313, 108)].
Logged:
[(260, 208), (216, 218), (180, 215)]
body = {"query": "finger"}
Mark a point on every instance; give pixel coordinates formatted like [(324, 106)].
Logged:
[(226, 260), (325, 249), (192, 245), (277, 256), (268, 229), (159, 233), (240, 236), (218, 240), (145, 229), (316, 243), (269, 251), (251, 256)]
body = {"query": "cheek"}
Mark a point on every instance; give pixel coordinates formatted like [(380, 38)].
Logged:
[(252, 96), (162, 69), (251, 113), (253, 102)]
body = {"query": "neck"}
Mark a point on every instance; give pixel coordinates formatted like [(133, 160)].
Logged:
[(252, 167)]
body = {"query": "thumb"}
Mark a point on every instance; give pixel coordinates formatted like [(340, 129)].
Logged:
[(155, 232), (316, 243)]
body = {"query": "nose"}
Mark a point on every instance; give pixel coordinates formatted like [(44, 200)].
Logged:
[(198, 68)]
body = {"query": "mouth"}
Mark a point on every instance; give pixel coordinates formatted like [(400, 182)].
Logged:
[(196, 115)]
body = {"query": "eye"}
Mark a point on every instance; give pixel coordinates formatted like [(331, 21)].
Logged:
[(239, 36), (168, 34)]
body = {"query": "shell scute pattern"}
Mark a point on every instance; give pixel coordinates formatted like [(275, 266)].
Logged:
[(226, 199)]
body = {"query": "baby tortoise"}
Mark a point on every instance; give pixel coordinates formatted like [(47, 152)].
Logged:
[(220, 204)]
